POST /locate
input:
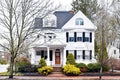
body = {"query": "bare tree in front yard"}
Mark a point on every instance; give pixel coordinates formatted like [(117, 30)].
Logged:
[(16, 21)]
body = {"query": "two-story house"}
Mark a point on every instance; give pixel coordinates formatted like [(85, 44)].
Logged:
[(64, 32)]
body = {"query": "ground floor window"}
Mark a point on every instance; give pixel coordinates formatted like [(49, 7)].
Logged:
[(43, 54), (80, 54)]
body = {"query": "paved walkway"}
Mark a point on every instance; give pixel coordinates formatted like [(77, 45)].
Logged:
[(59, 76)]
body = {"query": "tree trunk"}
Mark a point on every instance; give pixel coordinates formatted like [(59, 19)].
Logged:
[(100, 75), (11, 67)]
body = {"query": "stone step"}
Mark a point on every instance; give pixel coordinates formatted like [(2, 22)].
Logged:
[(57, 69), (56, 74)]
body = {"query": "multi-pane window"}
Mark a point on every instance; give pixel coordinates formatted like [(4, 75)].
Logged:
[(42, 53), (50, 35), (84, 54), (87, 37), (38, 53), (87, 54), (79, 21), (71, 37), (79, 37), (79, 54)]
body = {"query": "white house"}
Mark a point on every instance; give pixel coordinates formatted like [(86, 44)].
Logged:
[(64, 32), (114, 49)]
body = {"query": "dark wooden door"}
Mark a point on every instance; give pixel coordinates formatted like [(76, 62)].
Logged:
[(57, 57)]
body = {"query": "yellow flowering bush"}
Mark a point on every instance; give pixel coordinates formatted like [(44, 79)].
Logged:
[(71, 70), (45, 70)]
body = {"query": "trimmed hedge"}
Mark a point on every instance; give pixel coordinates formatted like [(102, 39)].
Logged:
[(93, 67), (82, 66)]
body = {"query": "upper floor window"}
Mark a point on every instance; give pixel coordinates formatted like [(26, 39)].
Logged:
[(87, 37), (50, 35), (79, 37), (71, 37), (79, 21), (50, 21)]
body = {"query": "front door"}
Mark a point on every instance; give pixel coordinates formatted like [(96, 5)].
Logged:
[(57, 56)]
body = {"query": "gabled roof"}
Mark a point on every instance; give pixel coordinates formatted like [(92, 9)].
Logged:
[(87, 23)]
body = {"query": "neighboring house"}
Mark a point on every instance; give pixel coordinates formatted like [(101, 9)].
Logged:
[(64, 32), (114, 49)]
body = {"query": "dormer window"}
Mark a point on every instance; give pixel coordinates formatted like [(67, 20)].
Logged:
[(79, 21), (49, 21)]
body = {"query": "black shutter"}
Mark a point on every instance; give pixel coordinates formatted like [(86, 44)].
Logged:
[(67, 36), (83, 54), (83, 36), (90, 54), (66, 53), (75, 36), (90, 36), (51, 53), (75, 54), (42, 54)]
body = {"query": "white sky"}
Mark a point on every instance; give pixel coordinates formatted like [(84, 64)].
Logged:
[(65, 4)]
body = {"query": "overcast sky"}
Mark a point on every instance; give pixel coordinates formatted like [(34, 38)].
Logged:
[(65, 4)]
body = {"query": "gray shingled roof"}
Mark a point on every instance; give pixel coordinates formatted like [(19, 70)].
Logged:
[(62, 18)]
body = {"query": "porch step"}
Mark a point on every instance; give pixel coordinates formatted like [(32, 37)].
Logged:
[(57, 69), (56, 74)]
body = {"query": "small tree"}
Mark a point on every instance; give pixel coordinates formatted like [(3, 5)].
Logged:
[(42, 62), (70, 59)]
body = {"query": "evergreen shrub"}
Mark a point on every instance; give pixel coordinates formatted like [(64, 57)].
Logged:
[(70, 59)]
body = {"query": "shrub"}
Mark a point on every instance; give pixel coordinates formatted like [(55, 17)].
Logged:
[(93, 67), (70, 59), (71, 70), (3, 61), (45, 70), (106, 68), (22, 65), (42, 62), (27, 68), (82, 66)]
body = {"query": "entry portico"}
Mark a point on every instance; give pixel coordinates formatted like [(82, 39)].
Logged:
[(52, 53)]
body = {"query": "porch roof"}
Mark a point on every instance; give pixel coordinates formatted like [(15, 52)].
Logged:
[(55, 43), (52, 43)]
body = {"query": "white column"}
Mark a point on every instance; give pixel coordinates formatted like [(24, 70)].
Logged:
[(64, 56), (32, 53), (48, 56)]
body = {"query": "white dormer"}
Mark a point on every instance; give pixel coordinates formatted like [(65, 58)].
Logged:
[(50, 21), (79, 21)]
